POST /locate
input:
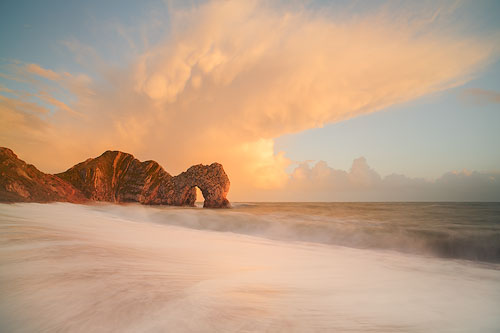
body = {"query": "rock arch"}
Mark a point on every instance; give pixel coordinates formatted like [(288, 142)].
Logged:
[(114, 177), (119, 177), (210, 179)]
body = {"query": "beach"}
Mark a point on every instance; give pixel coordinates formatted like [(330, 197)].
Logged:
[(132, 268)]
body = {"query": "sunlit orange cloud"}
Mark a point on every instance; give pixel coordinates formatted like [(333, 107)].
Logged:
[(40, 71), (232, 76)]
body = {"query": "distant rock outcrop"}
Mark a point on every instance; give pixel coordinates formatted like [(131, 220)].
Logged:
[(114, 177), (23, 182)]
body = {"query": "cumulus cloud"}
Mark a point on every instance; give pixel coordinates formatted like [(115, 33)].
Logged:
[(320, 182), (232, 76)]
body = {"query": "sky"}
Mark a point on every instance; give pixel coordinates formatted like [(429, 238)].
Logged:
[(299, 100)]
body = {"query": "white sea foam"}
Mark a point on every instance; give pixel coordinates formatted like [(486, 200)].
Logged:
[(109, 268)]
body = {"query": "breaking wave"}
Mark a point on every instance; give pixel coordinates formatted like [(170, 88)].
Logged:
[(447, 230), (275, 268)]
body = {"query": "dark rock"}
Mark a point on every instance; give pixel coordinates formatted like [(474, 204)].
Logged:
[(119, 177), (23, 182), (211, 179), (114, 177)]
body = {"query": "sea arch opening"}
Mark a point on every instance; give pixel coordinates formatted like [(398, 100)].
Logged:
[(200, 198)]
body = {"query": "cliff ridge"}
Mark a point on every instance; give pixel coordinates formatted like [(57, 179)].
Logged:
[(114, 176)]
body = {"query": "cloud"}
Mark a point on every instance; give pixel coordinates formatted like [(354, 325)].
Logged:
[(41, 97), (232, 76), (19, 106), (45, 73), (57, 103), (22, 121), (323, 183), (481, 96)]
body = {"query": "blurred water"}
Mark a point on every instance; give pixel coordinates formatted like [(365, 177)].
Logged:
[(449, 230), (275, 268)]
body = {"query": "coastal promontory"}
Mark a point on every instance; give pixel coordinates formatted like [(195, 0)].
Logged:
[(114, 176)]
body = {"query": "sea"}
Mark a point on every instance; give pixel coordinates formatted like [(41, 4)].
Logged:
[(257, 267)]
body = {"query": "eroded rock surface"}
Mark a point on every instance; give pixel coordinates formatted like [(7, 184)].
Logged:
[(23, 182), (114, 177), (211, 179)]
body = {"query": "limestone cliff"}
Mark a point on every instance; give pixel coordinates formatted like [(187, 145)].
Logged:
[(114, 177), (23, 182), (119, 177)]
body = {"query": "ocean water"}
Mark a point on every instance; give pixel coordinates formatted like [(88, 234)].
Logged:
[(272, 267)]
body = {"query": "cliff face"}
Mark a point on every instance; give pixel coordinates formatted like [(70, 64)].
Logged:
[(119, 177), (114, 177), (23, 182)]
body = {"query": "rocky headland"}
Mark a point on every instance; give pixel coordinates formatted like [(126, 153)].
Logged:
[(113, 177)]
